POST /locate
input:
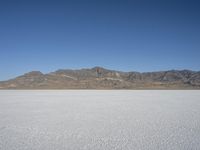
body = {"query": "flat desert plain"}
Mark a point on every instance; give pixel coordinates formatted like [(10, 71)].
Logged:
[(99, 120)]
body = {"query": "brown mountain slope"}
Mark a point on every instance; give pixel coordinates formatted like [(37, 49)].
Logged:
[(100, 78)]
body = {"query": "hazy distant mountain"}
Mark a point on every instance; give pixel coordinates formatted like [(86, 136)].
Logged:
[(101, 78)]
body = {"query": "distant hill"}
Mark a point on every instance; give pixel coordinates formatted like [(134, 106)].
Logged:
[(101, 78)]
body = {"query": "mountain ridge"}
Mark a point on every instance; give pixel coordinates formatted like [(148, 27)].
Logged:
[(102, 78)]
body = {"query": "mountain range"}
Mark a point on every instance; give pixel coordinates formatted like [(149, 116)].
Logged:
[(101, 78)]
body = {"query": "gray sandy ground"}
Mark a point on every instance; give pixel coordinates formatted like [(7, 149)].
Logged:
[(99, 120)]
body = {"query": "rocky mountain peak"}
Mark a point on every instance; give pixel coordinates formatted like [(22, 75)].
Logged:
[(33, 73), (101, 78)]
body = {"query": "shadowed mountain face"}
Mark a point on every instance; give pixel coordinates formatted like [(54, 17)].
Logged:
[(100, 78)]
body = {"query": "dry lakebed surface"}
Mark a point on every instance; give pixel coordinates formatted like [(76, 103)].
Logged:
[(99, 120)]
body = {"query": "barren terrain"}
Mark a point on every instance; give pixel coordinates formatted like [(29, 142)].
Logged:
[(99, 119)]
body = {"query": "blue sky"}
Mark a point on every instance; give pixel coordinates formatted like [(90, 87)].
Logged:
[(127, 35)]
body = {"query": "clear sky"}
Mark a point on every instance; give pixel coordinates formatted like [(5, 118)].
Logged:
[(127, 35)]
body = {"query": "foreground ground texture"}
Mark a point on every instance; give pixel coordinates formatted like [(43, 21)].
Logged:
[(99, 120)]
